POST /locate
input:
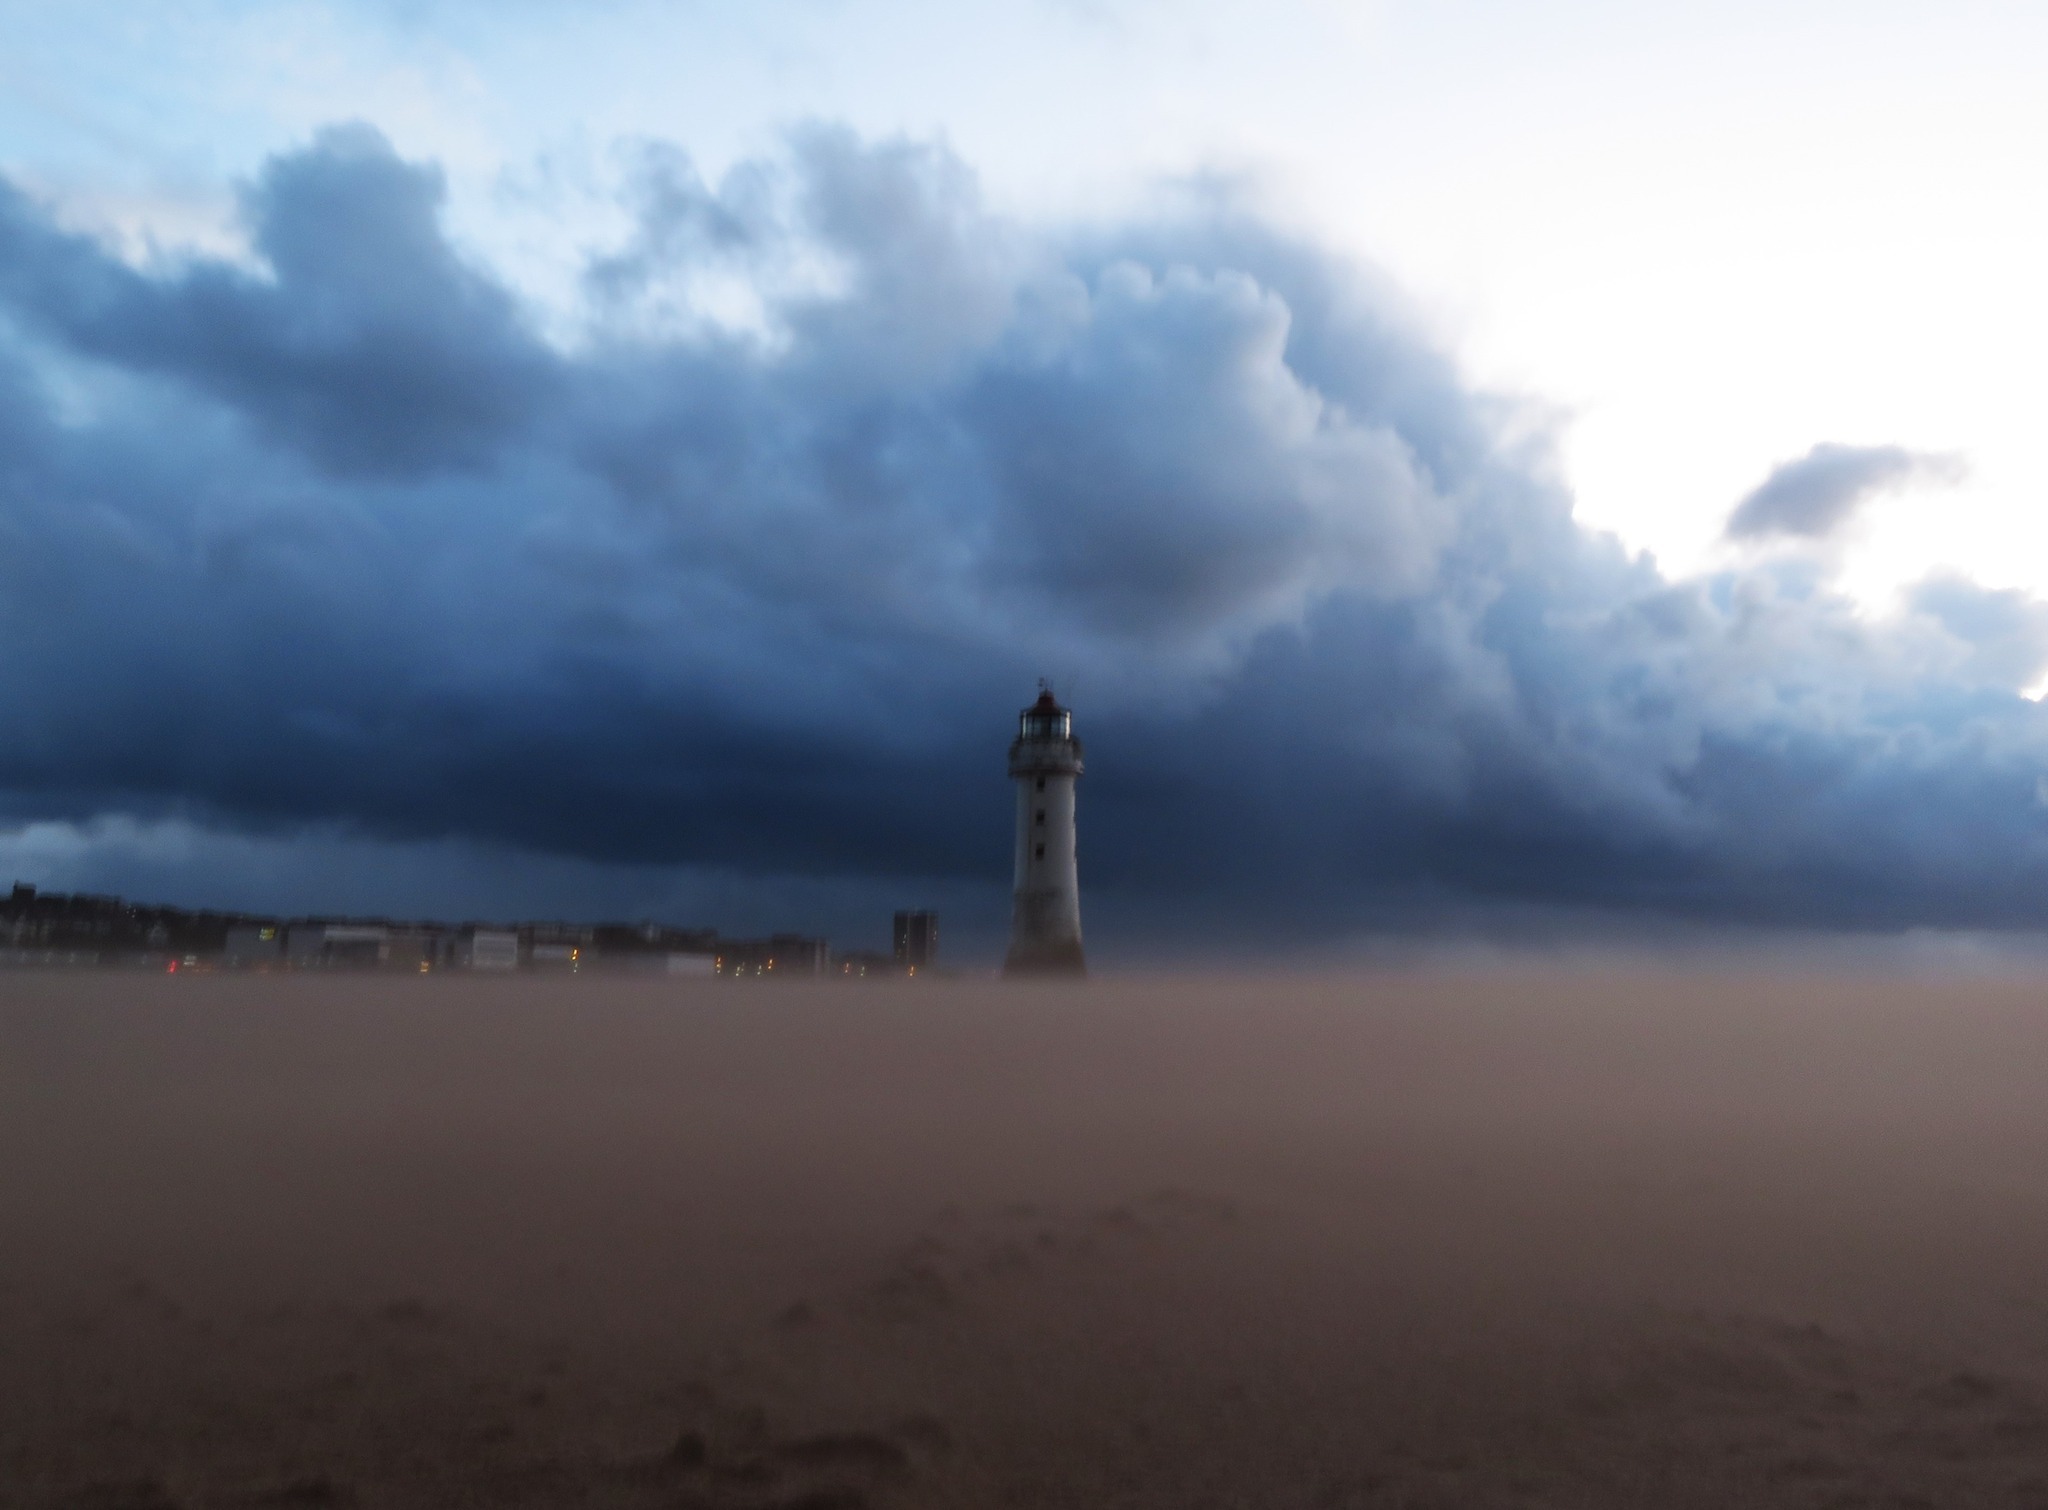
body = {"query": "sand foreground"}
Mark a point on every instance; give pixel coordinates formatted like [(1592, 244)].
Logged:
[(1535, 1239)]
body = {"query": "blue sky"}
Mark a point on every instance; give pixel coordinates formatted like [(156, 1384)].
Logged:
[(515, 454)]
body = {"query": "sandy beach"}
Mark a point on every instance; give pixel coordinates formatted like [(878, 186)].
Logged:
[(1543, 1238)]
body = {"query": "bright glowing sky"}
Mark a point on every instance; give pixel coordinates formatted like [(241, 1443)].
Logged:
[(1712, 236)]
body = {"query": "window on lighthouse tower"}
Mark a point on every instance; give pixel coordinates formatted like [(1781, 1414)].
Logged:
[(1039, 853)]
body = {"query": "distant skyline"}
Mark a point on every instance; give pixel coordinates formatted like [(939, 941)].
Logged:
[(635, 459)]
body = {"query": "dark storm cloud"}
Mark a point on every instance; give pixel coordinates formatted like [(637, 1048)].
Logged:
[(334, 539), (680, 222), (1820, 491), (364, 343)]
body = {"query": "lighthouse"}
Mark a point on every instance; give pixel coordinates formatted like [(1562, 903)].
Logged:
[(1045, 915)]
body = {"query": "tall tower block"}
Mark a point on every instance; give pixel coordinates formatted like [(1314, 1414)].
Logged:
[(1045, 917)]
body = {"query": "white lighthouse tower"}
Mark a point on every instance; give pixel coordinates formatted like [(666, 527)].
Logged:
[(1045, 917)]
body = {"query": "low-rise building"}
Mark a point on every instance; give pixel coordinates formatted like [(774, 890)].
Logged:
[(780, 955), (491, 949), (314, 945), (250, 946)]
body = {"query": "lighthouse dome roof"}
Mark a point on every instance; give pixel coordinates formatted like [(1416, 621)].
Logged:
[(1045, 719)]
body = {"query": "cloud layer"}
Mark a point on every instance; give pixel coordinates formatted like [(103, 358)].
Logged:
[(751, 577), (1815, 495)]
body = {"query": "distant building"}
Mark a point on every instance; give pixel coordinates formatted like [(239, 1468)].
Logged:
[(780, 955), (332, 946), (650, 948), (492, 949), (249, 945), (41, 928), (54, 928), (416, 949), (916, 936), (797, 955)]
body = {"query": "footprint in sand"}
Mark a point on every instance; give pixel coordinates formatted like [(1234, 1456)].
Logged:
[(937, 1268), (727, 1457), (126, 1494)]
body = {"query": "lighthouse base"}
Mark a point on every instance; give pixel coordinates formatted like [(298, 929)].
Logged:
[(1046, 958)]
